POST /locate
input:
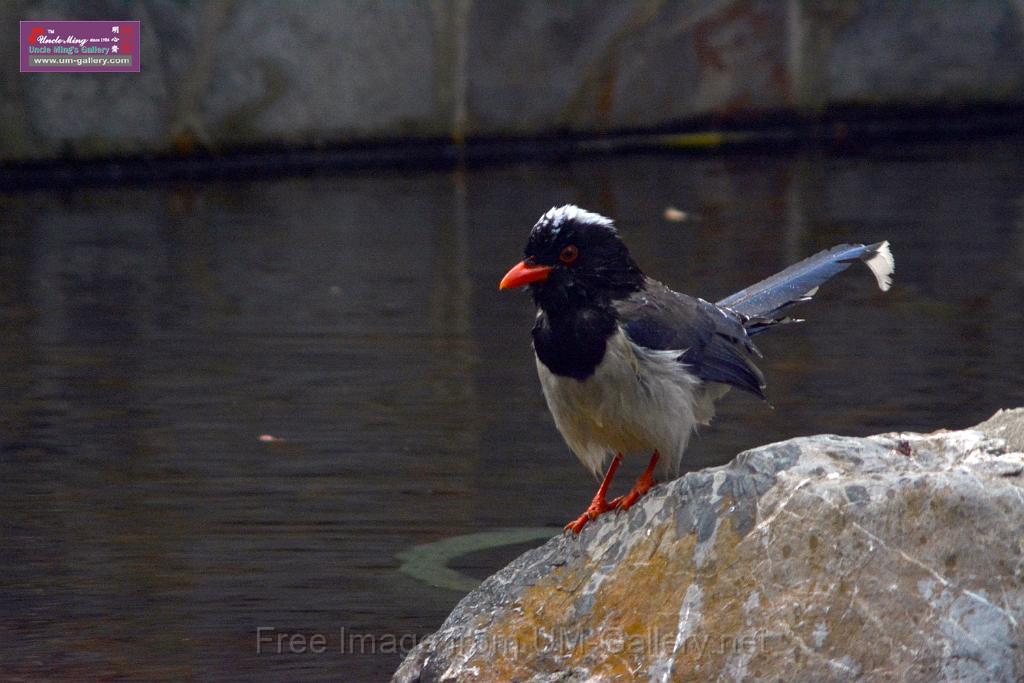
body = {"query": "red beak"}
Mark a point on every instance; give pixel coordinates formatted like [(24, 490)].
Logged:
[(523, 274)]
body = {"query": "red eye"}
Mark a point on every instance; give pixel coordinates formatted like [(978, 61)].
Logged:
[(569, 255)]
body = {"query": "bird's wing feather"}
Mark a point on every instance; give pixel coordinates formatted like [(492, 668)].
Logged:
[(710, 340)]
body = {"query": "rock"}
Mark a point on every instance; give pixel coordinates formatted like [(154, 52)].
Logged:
[(1007, 425), (897, 556)]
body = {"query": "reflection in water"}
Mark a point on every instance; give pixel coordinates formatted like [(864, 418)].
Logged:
[(429, 562), (150, 335)]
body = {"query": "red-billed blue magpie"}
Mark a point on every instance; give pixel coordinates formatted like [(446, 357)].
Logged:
[(628, 365)]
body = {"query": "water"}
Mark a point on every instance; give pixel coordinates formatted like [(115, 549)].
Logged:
[(151, 335)]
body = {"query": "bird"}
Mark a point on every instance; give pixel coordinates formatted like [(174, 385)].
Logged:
[(628, 365)]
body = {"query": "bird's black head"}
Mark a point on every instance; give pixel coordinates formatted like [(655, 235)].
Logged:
[(575, 258)]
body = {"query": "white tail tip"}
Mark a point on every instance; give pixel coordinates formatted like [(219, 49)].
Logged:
[(882, 265)]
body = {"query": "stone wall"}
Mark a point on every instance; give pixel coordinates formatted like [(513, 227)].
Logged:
[(224, 74)]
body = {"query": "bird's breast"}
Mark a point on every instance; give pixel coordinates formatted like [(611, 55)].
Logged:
[(635, 400)]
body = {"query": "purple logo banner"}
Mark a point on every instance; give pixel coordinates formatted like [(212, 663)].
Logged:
[(78, 46)]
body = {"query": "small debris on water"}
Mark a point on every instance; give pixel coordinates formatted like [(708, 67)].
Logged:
[(675, 215)]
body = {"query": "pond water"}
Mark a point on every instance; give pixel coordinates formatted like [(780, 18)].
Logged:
[(152, 334)]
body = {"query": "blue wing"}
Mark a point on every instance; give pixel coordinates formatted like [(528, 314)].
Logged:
[(711, 341)]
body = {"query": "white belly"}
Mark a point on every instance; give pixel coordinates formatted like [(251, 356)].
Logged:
[(637, 401)]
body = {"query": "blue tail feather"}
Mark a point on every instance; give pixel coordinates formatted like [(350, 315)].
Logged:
[(765, 304)]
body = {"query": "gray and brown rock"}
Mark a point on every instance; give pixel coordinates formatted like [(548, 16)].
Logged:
[(819, 558)]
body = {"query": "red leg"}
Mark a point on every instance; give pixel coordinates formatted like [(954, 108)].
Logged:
[(642, 485), (599, 505)]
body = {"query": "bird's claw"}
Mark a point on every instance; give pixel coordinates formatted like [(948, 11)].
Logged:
[(598, 506), (642, 486), (595, 510)]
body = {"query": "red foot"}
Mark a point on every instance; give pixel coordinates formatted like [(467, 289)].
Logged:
[(599, 505), (642, 485)]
